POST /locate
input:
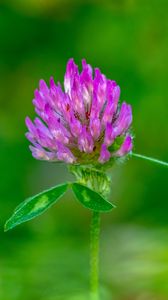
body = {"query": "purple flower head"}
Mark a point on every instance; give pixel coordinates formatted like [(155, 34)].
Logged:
[(82, 123)]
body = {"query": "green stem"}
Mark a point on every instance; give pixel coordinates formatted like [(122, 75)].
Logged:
[(94, 255), (157, 161)]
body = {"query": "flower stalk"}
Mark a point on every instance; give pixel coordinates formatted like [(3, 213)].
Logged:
[(100, 182), (94, 255)]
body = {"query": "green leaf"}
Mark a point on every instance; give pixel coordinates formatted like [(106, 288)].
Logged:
[(35, 206), (90, 199)]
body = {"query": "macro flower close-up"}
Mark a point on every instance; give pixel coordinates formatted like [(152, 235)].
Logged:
[(84, 153), (82, 122)]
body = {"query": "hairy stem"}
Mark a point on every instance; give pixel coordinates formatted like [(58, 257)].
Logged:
[(94, 255)]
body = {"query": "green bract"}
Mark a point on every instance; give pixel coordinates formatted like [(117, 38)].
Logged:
[(91, 190), (90, 199), (35, 206)]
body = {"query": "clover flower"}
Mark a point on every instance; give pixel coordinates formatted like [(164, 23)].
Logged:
[(82, 123), (84, 126)]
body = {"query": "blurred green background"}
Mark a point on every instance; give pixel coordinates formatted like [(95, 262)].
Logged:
[(48, 258)]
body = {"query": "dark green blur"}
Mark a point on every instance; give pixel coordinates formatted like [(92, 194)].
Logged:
[(48, 258)]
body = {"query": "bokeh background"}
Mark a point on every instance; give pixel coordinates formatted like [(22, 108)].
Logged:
[(48, 258)]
